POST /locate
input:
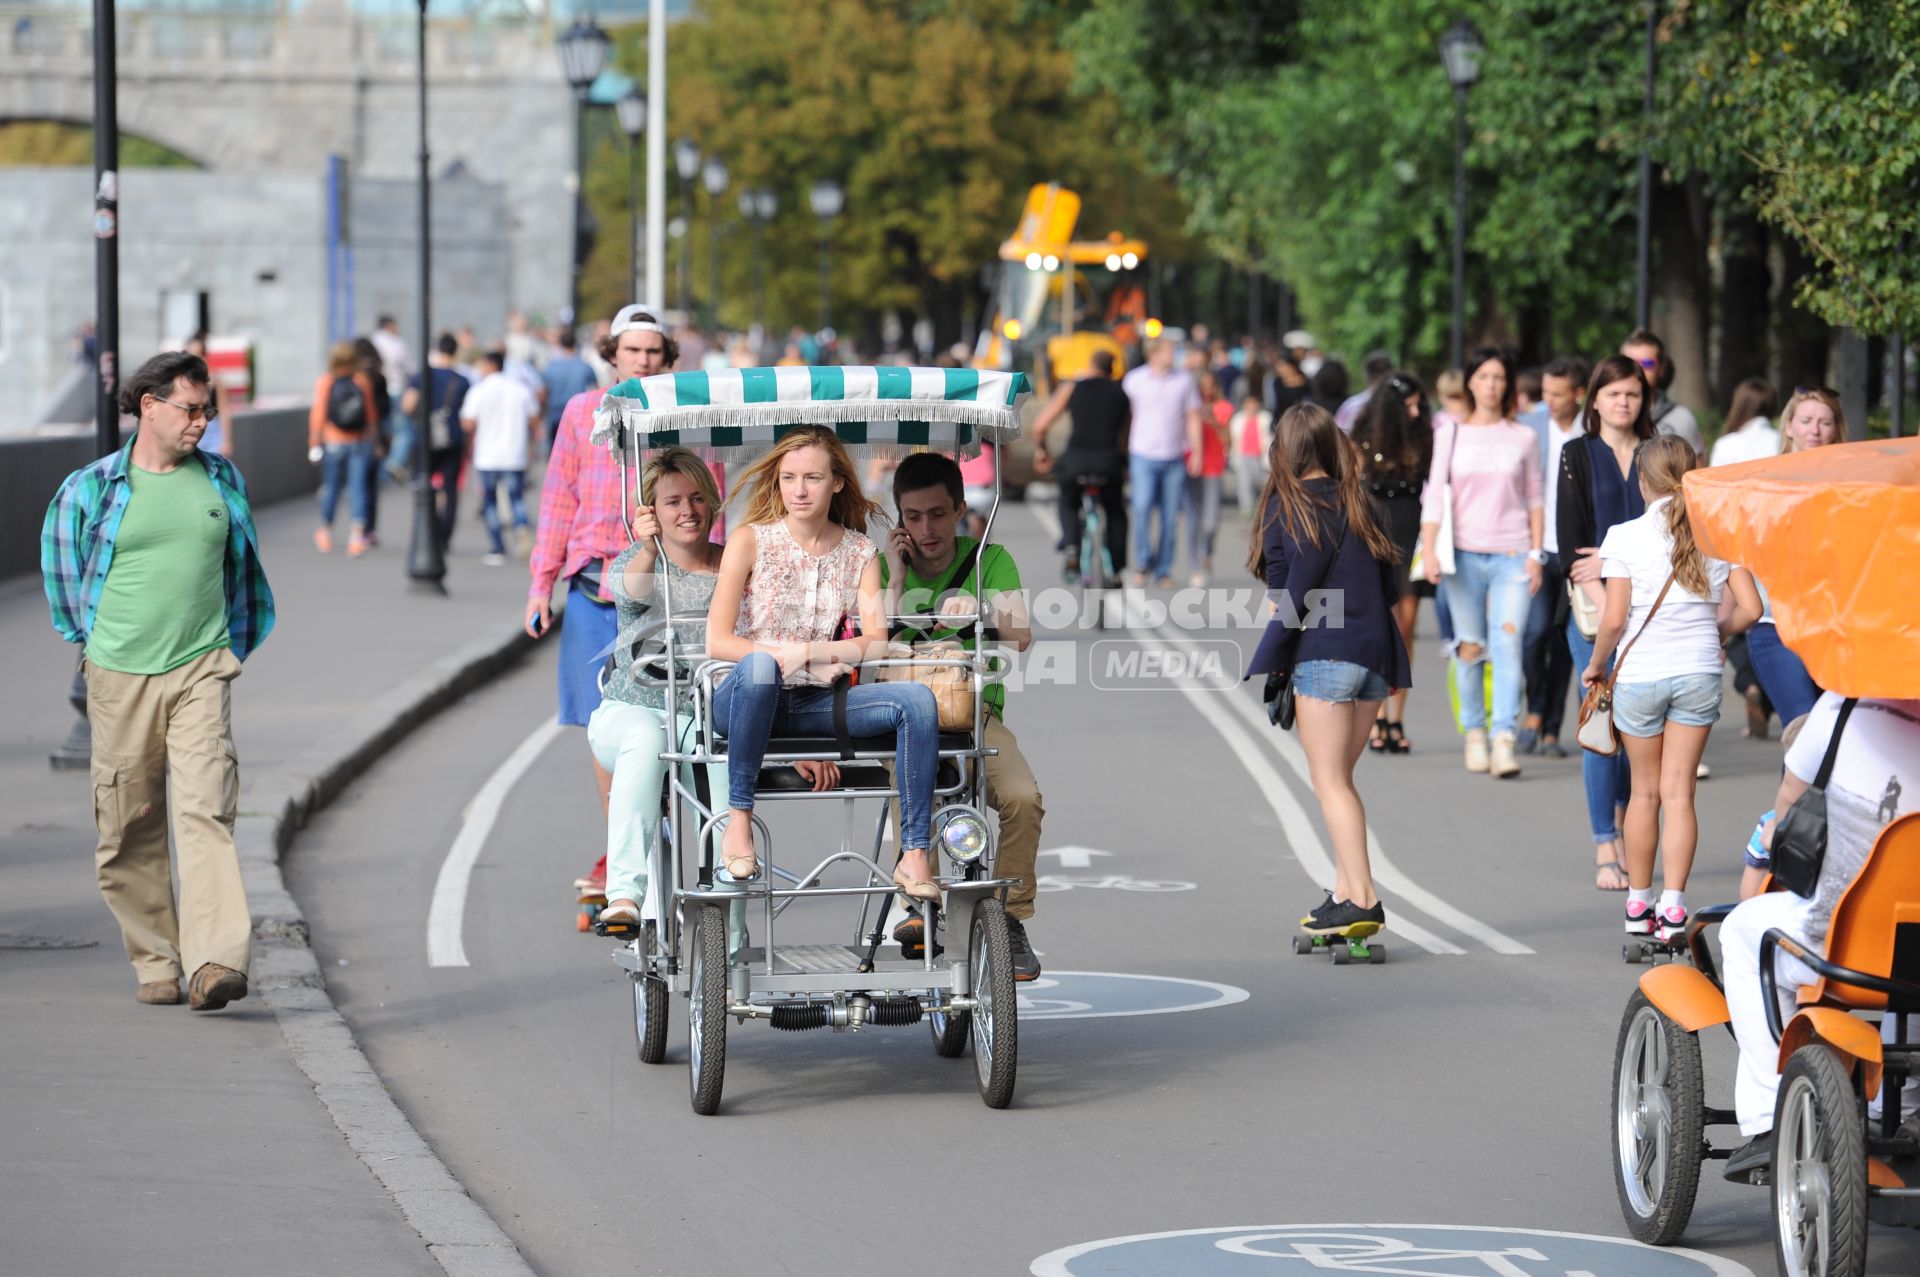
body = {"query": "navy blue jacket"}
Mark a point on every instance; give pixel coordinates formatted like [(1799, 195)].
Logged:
[(1366, 586)]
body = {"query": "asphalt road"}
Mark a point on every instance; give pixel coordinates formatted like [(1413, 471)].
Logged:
[(1464, 1082)]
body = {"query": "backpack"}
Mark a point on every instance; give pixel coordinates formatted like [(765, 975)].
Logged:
[(346, 406)]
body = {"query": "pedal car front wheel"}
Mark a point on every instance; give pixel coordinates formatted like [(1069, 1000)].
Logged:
[(1659, 1115), (996, 1028), (707, 1009), (1819, 1169)]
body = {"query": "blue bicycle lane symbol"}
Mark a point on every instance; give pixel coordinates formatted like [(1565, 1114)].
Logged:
[(1399, 1250)]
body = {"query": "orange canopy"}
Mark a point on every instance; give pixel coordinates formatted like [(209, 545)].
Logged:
[(1834, 536)]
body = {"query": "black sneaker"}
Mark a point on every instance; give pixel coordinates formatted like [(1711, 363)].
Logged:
[(1752, 1162), (911, 935), (1026, 963), (1345, 918)]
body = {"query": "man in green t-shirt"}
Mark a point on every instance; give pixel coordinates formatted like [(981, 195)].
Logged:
[(151, 561), (935, 567)]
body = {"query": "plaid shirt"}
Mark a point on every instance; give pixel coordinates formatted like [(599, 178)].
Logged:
[(76, 548), (580, 523)]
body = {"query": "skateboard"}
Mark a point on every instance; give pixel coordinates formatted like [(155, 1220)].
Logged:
[(1650, 949), (591, 903), (1346, 945)]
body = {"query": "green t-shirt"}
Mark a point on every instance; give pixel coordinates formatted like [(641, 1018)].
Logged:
[(998, 575), (165, 598)]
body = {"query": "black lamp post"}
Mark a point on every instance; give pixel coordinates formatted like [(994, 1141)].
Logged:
[(632, 110), (583, 55), (76, 753), (714, 176), (686, 162), (1643, 242), (426, 560), (1460, 50), (828, 199), (757, 206)]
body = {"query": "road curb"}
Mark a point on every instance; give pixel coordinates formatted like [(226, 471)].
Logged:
[(462, 1238)]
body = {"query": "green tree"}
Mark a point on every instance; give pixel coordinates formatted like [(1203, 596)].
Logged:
[(936, 116)]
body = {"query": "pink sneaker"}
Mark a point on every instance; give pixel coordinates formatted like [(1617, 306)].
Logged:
[(1640, 917), (1671, 926)]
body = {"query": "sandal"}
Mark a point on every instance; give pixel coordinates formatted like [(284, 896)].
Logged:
[(1379, 742), (1397, 739), (1613, 867)]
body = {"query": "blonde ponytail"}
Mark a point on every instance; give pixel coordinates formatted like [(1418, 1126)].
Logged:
[(1663, 463)]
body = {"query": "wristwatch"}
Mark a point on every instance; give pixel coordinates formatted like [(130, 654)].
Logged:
[(1538, 556)]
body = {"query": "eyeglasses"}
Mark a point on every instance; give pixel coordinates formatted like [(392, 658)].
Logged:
[(194, 411), (1649, 364)]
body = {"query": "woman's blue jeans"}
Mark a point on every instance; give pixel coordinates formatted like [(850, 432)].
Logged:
[(349, 465), (1783, 676), (751, 705), (1489, 598), (1609, 780)]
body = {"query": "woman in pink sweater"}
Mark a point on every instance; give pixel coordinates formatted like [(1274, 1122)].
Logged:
[(1487, 469)]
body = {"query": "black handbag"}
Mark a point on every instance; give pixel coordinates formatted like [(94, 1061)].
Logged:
[(1800, 835), (1278, 691)]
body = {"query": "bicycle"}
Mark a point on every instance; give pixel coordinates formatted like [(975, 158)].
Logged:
[(1094, 575)]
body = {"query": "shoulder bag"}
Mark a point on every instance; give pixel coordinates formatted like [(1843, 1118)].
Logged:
[(1597, 733), (1278, 691), (1800, 835), (1443, 535)]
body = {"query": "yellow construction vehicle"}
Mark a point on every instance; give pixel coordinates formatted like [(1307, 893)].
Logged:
[(1058, 299)]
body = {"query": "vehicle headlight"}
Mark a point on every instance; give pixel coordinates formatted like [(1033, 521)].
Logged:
[(962, 833)]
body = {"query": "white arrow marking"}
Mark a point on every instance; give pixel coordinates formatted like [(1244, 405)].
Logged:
[(1075, 857)]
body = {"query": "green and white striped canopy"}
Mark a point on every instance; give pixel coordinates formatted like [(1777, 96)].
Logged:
[(740, 412)]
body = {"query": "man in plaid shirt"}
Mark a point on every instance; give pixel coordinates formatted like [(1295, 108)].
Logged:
[(581, 531), (151, 561)]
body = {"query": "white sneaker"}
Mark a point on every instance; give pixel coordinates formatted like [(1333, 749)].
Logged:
[(492, 559), (1504, 763), (1477, 750), (1702, 772)]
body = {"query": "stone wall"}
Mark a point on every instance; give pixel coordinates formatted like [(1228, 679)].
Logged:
[(269, 447), (256, 245)]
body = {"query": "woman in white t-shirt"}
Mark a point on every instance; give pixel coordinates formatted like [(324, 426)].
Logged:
[(1667, 684)]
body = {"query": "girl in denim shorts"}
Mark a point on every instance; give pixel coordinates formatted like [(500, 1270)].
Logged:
[(1330, 570), (1667, 687)]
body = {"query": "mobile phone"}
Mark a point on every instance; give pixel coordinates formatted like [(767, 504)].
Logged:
[(533, 625)]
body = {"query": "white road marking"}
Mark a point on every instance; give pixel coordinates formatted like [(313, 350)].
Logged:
[(446, 917), (1312, 854), (1075, 857)]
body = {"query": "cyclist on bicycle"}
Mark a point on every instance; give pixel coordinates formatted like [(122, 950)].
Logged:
[(935, 568), (1096, 453)]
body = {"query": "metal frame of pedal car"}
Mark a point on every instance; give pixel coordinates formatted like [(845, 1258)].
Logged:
[(1832, 1062), (967, 997)]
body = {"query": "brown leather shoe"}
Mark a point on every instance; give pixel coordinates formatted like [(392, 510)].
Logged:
[(213, 986), (159, 993)]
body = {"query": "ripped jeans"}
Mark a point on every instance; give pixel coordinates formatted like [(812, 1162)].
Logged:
[(1489, 598)]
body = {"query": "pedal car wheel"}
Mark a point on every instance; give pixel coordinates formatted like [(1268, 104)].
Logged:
[(1659, 1111), (996, 1028), (1819, 1169), (707, 1009), (650, 1018), (950, 1030)]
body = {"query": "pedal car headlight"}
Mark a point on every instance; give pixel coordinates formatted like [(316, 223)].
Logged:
[(962, 833)]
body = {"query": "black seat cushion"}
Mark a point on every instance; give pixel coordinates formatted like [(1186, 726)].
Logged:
[(862, 744)]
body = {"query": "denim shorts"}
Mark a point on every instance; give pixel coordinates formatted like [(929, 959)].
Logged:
[(1644, 709), (1338, 682)]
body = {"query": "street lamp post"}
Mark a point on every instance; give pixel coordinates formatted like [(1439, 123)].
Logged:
[(827, 198), (686, 162), (1643, 241), (1460, 51), (632, 110), (583, 55), (77, 752), (758, 207), (714, 177), (426, 561)]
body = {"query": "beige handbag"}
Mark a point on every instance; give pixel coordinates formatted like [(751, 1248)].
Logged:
[(1586, 613), (1597, 734), (952, 684)]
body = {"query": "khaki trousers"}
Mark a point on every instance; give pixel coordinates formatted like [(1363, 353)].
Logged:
[(1014, 796), (165, 741)]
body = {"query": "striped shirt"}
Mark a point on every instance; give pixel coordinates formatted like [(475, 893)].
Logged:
[(82, 524)]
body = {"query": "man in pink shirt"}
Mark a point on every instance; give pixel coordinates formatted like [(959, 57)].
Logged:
[(582, 530)]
